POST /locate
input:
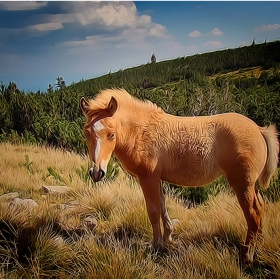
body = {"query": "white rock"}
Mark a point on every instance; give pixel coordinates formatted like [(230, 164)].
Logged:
[(55, 189), (8, 196), (27, 203)]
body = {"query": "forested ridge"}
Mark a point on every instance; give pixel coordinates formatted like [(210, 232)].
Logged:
[(245, 80)]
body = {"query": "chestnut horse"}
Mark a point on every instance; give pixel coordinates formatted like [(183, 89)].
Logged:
[(191, 151)]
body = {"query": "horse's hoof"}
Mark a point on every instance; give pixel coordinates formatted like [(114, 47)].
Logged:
[(247, 257), (160, 251), (163, 252)]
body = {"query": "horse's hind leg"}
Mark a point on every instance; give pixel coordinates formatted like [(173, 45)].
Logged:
[(252, 205), (167, 223)]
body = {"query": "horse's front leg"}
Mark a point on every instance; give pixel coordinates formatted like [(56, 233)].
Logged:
[(152, 192), (166, 221)]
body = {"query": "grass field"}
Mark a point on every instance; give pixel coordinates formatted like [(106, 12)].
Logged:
[(45, 242)]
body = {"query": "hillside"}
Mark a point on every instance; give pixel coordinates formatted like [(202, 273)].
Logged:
[(244, 80), (53, 240)]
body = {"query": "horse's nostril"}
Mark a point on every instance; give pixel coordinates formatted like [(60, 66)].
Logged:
[(101, 174)]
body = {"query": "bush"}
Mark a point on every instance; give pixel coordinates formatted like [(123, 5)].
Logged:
[(198, 195)]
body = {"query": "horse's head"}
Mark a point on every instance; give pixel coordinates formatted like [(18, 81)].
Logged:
[(101, 136)]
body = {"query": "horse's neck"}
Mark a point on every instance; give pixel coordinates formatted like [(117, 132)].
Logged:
[(127, 132), (131, 122), (130, 125)]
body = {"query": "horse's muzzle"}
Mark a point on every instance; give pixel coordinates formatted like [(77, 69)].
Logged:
[(96, 175)]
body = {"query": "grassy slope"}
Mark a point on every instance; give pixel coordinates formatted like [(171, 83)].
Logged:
[(206, 240)]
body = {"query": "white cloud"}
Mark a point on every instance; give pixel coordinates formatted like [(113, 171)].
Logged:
[(217, 32), (35, 30), (21, 5), (212, 44), (195, 34), (46, 26), (111, 14), (115, 14), (268, 27), (121, 17), (89, 40), (158, 31), (134, 38)]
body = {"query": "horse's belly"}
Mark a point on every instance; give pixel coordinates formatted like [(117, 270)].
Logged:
[(197, 174)]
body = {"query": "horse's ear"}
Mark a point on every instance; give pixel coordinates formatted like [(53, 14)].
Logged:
[(84, 106), (112, 106)]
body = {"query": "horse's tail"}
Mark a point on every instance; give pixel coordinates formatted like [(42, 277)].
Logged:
[(270, 135)]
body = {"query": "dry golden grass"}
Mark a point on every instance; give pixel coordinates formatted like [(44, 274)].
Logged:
[(247, 72), (38, 244), (244, 73)]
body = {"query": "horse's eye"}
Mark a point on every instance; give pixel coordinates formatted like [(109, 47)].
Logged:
[(111, 136)]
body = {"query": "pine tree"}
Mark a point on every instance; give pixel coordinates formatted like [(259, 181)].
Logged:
[(153, 58), (60, 83)]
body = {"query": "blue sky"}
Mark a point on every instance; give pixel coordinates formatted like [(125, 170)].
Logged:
[(40, 41)]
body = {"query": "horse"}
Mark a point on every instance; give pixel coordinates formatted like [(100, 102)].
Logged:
[(155, 146)]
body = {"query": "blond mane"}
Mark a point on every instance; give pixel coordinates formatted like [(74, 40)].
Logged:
[(126, 102)]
